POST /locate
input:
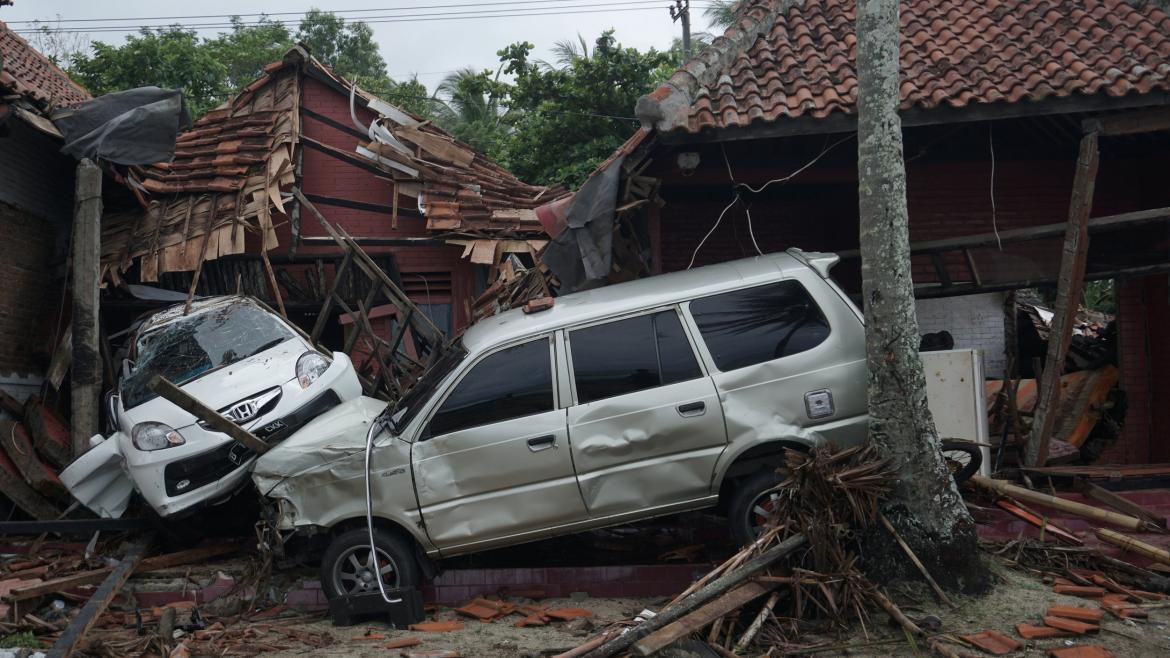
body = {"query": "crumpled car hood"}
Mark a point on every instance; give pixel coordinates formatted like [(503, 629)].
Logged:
[(337, 433)]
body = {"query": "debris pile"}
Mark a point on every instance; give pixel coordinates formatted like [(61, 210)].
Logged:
[(36, 445)]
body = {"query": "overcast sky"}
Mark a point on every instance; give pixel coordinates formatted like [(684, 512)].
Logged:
[(429, 48)]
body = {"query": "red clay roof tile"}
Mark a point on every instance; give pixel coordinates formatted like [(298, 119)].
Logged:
[(33, 76), (954, 53)]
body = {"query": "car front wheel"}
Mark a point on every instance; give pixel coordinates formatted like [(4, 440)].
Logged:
[(349, 567), (751, 504)]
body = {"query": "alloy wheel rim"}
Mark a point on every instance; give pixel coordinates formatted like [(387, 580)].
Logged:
[(354, 571)]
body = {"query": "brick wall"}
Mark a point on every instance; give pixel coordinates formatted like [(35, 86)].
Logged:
[(27, 290), (34, 176), (975, 321), (327, 176)]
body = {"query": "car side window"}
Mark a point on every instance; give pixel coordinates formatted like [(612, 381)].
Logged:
[(753, 325), (631, 355), (512, 383)]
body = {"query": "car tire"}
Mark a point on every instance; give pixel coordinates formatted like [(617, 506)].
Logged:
[(742, 515), (345, 565)]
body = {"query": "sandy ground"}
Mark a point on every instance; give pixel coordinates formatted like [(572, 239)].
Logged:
[(1016, 597)]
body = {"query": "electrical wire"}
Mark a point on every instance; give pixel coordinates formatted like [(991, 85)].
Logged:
[(374, 428), (404, 18), (704, 240), (994, 224), (794, 174), (747, 211), (337, 12)]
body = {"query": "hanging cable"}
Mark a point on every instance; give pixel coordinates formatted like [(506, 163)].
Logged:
[(794, 174), (746, 211), (704, 240), (994, 222), (374, 427)]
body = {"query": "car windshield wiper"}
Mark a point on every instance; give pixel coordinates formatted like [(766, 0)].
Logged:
[(266, 346)]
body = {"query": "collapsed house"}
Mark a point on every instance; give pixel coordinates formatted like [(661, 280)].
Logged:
[(241, 208), (749, 147)]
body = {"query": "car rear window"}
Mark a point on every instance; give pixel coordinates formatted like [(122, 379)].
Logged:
[(754, 325), (631, 355), (511, 383)]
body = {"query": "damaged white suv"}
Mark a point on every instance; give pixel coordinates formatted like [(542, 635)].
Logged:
[(671, 393), (231, 354)]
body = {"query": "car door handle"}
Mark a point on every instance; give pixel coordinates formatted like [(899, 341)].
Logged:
[(542, 443), (692, 409)]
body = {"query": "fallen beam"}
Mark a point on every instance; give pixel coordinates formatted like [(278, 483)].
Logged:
[(213, 418), (691, 623), (699, 597), (1124, 505), (1071, 507), (73, 526), (67, 643), (156, 563), (1134, 546)]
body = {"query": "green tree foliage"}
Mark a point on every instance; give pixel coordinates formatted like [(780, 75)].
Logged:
[(165, 57), (475, 111), (347, 48), (210, 70), (563, 122), (721, 13)]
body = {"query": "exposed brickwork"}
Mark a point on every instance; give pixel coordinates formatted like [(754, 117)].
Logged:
[(34, 176), (25, 289)]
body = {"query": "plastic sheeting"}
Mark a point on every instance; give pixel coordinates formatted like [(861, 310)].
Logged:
[(132, 127)]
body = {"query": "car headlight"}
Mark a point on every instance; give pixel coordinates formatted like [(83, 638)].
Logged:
[(310, 366), (155, 436)]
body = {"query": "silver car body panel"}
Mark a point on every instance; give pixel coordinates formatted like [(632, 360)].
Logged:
[(318, 474), (616, 459)]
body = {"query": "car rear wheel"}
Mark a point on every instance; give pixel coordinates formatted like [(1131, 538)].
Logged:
[(348, 566), (751, 504)]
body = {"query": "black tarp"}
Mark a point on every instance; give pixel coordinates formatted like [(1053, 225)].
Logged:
[(132, 127), (582, 255)]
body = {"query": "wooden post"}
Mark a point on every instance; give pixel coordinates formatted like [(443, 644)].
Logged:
[(217, 422), (86, 382), (1068, 296)]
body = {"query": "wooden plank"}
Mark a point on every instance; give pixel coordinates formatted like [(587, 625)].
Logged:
[(1134, 546), (272, 282), (213, 418), (62, 358), (1069, 284), (13, 486), (156, 563), (693, 622), (327, 307), (67, 643), (700, 596), (1124, 505)]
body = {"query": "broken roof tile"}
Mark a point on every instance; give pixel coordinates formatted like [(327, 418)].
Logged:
[(33, 76), (955, 53)]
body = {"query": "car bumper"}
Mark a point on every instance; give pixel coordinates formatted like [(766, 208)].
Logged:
[(210, 465)]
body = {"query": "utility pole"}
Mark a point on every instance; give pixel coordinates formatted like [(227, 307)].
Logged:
[(87, 360), (682, 10)]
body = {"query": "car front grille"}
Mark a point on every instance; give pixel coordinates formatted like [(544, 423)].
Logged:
[(186, 475)]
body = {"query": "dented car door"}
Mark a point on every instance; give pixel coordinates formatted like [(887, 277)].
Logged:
[(493, 461), (647, 426)]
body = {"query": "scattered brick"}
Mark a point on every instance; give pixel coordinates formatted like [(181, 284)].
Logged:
[(437, 626), (367, 637), (1070, 625), (1079, 590), (1075, 612), (992, 642), (402, 642), (1030, 632), (433, 653), (568, 614)]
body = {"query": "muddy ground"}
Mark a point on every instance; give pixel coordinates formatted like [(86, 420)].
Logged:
[(1016, 597)]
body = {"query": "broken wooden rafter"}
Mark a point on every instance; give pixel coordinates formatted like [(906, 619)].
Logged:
[(213, 418), (694, 621), (1069, 506)]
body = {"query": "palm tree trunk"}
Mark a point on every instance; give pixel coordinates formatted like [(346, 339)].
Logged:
[(925, 505)]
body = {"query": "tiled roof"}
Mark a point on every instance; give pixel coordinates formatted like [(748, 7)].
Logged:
[(31, 75), (793, 58)]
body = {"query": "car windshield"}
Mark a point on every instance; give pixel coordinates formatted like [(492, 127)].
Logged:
[(414, 400), (196, 345)]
